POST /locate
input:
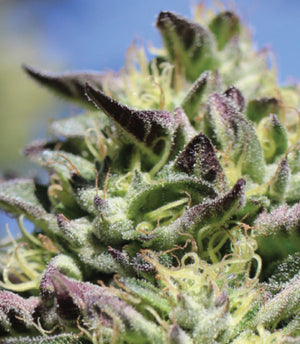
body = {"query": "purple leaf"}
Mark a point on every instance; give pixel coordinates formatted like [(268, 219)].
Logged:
[(147, 127), (137, 263), (177, 336), (69, 296), (216, 211), (234, 132), (68, 85), (199, 158), (236, 97), (16, 311), (97, 306), (283, 219), (120, 257)]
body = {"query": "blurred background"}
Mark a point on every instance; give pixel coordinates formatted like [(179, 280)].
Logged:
[(69, 35)]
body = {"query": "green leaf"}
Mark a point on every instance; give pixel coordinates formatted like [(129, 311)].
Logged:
[(77, 231), (161, 198), (273, 137), (292, 330), (77, 126), (63, 163), (150, 295), (225, 26), (254, 205), (281, 307), (184, 132), (205, 318), (293, 191), (233, 131), (294, 158), (113, 223), (188, 44), (95, 257), (259, 108), (191, 101), (280, 182), (177, 336), (66, 265), (278, 234), (214, 213), (285, 271), (24, 196)]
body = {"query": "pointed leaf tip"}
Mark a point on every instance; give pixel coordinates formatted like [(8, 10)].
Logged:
[(49, 80), (15, 311), (273, 136), (187, 43), (199, 158), (69, 296), (215, 212), (232, 129), (225, 26), (193, 98), (183, 27), (280, 181), (146, 127), (68, 85), (236, 97)]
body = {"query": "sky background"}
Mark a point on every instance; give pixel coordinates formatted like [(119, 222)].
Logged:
[(62, 35), (94, 34)]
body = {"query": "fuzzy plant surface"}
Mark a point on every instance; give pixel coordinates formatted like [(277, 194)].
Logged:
[(172, 210)]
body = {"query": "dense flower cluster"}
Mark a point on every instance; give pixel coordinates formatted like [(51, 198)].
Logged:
[(172, 212)]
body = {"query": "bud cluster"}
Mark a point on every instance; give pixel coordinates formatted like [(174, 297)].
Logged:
[(172, 212)]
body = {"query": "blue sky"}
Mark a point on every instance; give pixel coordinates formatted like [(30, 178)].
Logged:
[(94, 34)]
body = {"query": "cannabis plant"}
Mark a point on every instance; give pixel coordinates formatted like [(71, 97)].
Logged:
[(172, 210)]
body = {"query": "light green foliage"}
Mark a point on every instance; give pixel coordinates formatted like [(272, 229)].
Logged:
[(172, 210), (273, 136), (58, 339), (280, 181), (224, 26), (234, 132), (190, 103), (189, 45)]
